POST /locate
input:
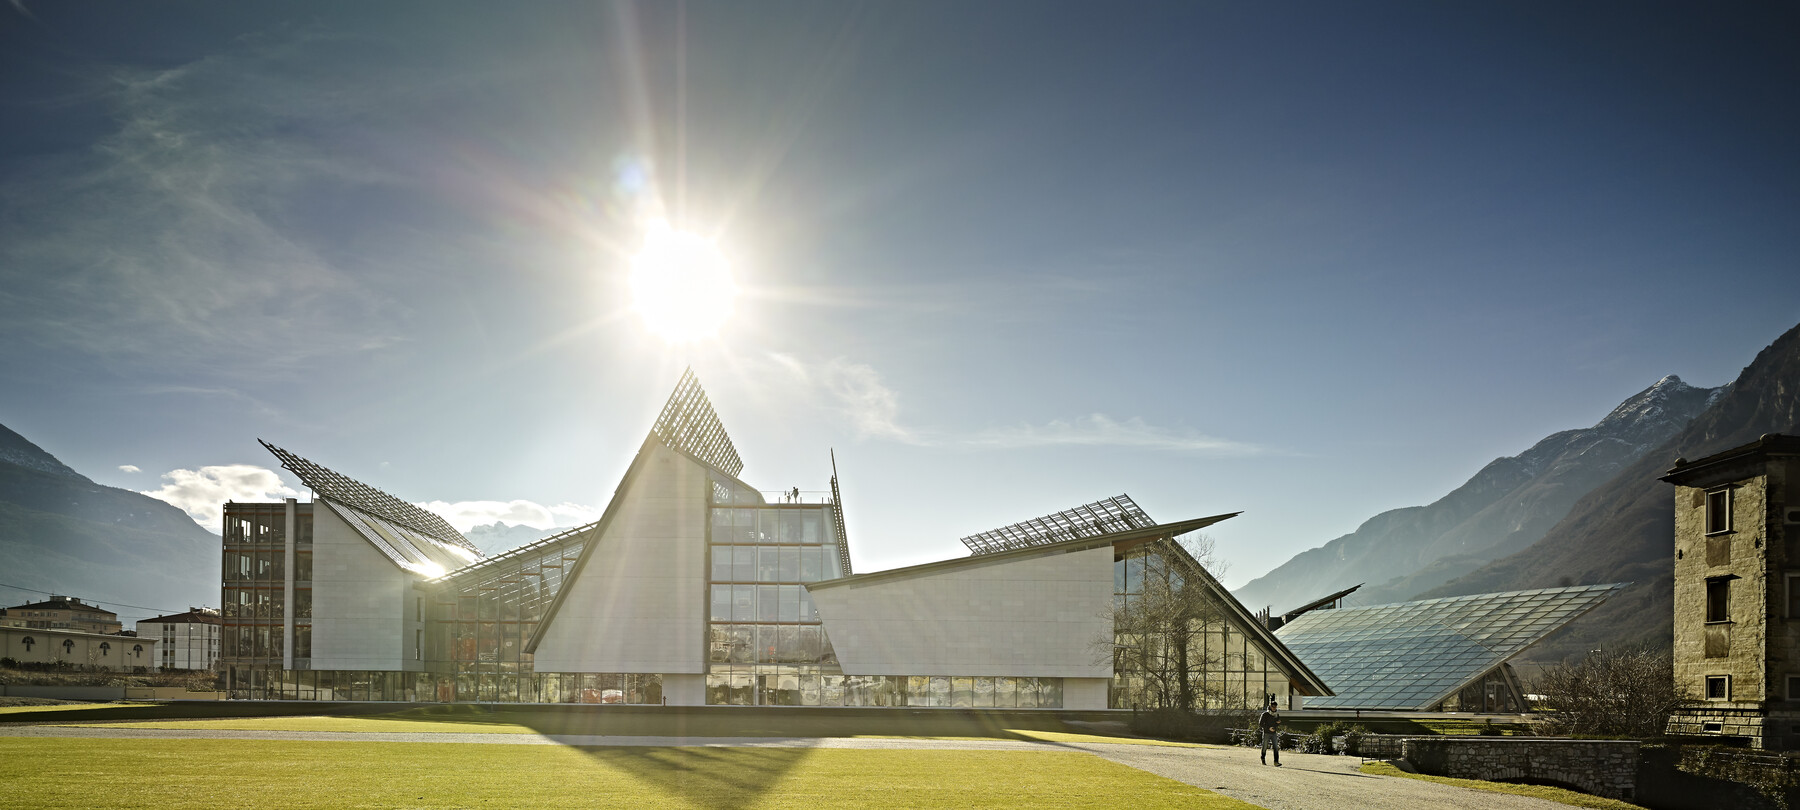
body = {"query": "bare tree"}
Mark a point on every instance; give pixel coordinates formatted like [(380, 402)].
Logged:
[(1629, 691), (1160, 645)]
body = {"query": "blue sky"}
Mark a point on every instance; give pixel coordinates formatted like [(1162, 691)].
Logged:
[(1308, 261)]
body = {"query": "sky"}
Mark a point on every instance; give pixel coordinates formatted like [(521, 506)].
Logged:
[(1305, 261)]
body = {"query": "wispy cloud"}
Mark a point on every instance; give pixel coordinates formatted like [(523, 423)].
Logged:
[(130, 468), (202, 493), (167, 238), (465, 515), (1100, 430), (858, 394)]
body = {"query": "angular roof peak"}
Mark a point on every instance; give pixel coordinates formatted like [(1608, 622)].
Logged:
[(689, 424), (335, 486)]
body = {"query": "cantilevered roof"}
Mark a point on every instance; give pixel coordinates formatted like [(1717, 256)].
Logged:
[(344, 490), (688, 424), (1107, 516), (1411, 656), (405, 546)]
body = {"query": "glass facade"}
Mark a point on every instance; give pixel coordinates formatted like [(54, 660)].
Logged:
[(479, 619), (1172, 632), (253, 598), (1415, 655), (765, 644)]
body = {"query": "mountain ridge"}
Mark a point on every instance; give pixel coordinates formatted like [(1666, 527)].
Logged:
[(1507, 505)]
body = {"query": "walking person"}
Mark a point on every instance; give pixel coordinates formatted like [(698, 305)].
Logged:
[(1270, 724)]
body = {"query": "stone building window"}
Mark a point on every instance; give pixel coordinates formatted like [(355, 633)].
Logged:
[(1718, 511), (1718, 599), (1793, 690), (1718, 687), (1793, 596)]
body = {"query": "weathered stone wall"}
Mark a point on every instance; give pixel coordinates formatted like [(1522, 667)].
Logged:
[(1600, 767)]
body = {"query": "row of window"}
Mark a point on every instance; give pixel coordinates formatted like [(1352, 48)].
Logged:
[(265, 603), (265, 565), (265, 525), (774, 564), (770, 525), (763, 603), (768, 643), (805, 686)]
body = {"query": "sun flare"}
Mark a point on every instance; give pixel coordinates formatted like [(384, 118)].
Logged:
[(681, 285)]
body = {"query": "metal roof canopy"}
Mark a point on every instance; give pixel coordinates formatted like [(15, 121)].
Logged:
[(1115, 514), (336, 486), (689, 424)]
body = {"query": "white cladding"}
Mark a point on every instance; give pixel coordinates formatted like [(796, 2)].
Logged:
[(360, 602), (639, 603), (1045, 615)]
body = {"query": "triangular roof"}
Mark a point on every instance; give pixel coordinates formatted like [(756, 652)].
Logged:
[(1411, 656), (412, 538)]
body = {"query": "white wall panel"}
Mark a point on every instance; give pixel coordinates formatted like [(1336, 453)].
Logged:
[(1041, 616)]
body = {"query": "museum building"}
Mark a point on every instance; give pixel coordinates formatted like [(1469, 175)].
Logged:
[(693, 588)]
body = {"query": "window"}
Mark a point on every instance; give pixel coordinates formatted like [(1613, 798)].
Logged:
[(1793, 596), (1793, 687), (1718, 687), (1718, 599), (1718, 511)]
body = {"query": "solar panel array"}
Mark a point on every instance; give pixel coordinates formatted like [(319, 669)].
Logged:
[(1114, 514), (1412, 655), (327, 483), (689, 424)]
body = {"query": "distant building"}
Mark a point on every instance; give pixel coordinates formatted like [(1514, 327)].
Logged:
[(65, 613), (1737, 592), (187, 640), (693, 588), (77, 649)]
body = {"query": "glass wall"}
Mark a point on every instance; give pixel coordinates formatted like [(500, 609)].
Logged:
[(813, 686), (253, 597), (1174, 638), (478, 621), (765, 644)]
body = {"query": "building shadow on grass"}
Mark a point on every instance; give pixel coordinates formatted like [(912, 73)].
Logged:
[(705, 777)]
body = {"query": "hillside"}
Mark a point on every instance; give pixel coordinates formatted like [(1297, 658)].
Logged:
[(1505, 507), (1623, 530), (61, 531)]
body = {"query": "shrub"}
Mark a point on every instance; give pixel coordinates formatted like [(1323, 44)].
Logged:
[(1319, 741)]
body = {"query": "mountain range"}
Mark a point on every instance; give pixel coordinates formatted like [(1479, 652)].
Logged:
[(1510, 504), (60, 530), (1580, 507)]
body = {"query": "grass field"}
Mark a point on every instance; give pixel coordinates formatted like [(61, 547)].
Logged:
[(90, 773), (590, 720)]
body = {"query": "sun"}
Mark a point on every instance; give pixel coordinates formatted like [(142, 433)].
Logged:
[(681, 285)]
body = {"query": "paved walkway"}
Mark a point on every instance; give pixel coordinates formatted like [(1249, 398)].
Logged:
[(1306, 782)]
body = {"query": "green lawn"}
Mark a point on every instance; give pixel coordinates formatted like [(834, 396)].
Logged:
[(1554, 794), (587, 720), (92, 773)]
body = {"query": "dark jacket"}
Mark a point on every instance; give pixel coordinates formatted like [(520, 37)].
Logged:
[(1268, 720)]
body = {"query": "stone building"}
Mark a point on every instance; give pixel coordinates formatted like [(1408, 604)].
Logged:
[(65, 613), (1737, 592)]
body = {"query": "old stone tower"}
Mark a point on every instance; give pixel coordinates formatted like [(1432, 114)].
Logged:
[(1737, 592)]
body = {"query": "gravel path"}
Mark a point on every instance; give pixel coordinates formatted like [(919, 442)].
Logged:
[(1306, 782)]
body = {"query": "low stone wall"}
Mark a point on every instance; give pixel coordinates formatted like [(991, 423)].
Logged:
[(1600, 767), (1380, 746)]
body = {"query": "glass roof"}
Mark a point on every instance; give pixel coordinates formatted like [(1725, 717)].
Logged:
[(689, 424), (1412, 655), (1116, 514), (407, 547)]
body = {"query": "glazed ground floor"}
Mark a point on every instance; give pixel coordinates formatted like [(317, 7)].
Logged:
[(723, 686)]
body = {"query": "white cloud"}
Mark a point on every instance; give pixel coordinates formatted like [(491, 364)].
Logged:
[(1100, 430), (858, 393), (202, 493), (465, 515), (130, 468)]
